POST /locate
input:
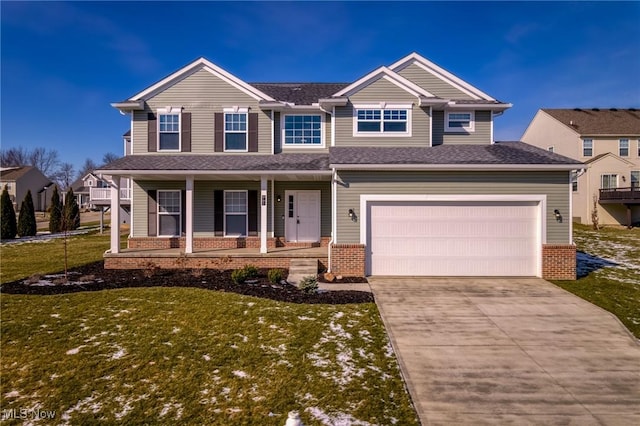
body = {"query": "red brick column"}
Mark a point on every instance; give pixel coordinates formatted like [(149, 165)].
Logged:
[(348, 259), (559, 261)]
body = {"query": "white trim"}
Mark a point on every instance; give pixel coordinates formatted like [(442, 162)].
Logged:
[(273, 196), (193, 67), (592, 148), (220, 172), (418, 167), (383, 106), (571, 207), (491, 128), (441, 73), (628, 147), (393, 77), (541, 199), (224, 213), (295, 193), (333, 127), (284, 145), (469, 129), (159, 213), (430, 126), (115, 216), (235, 111), (334, 210), (263, 214), (273, 132), (189, 214), (169, 110)]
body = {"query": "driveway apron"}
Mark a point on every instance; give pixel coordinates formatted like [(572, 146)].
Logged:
[(509, 351)]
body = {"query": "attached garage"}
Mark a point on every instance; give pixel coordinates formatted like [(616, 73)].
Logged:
[(493, 236)]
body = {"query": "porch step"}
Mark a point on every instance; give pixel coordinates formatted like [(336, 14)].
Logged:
[(300, 268)]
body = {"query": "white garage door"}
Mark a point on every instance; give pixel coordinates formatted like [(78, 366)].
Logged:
[(453, 238)]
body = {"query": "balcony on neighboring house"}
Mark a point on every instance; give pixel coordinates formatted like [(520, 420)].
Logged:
[(102, 196), (629, 195)]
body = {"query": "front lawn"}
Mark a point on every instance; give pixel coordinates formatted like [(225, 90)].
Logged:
[(193, 356), (609, 271)]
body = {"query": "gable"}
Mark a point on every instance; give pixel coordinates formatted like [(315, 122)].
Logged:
[(382, 90), (433, 84)]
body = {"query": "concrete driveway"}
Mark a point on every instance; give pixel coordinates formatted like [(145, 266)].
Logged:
[(509, 351)]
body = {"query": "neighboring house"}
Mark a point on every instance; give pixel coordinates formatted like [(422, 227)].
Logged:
[(82, 190), (393, 174), (19, 180), (608, 142), (94, 193)]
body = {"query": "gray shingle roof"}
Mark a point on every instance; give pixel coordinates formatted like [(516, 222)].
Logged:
[(592, 122), (225, 162), (300, 93), (500, 153)]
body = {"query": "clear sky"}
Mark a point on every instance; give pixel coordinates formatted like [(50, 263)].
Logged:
[(64, 63)]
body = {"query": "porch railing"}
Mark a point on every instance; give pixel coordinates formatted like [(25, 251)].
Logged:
[(103, 194), (629, 193)]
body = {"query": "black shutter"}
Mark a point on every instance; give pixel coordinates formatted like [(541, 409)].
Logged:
[(218, 132), (152, 209), (186, 131), (218, 212), (253, 132), (252, 205), (152, 128)]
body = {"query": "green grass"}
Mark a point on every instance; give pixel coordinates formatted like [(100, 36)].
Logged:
[(616, 286), (20, 260), (192, 356)]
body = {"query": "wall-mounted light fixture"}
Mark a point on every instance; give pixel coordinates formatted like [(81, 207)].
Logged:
[(278, 198), (558, 216), (352, 215)]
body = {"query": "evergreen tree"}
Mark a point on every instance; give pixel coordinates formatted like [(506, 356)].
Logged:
[(27, 219), (7, 216), (71, 211), (55, 216)]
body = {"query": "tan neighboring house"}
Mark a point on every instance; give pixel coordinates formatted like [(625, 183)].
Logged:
[(19, 180), (608, 142)]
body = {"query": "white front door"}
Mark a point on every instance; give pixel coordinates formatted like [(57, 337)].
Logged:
[(302, 216)]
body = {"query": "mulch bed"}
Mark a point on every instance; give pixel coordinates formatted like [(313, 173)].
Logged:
[(93, 277)]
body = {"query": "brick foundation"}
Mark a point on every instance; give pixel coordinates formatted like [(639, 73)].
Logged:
[(149, 243), (348, 259), (559, 262), (190, 262)]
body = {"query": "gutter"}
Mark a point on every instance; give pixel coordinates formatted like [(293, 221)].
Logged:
[(471, 167)]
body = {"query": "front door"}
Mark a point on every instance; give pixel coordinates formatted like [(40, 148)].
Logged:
[(302, 216)]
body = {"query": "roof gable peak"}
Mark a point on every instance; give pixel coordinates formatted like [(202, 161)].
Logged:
[(382, 72)]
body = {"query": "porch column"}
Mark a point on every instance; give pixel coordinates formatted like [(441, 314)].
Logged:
[(115, 214), (263, 214), (189, 218)]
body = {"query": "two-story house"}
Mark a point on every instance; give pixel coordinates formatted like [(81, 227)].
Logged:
[(608, 142), (20, 180), (393, 174)]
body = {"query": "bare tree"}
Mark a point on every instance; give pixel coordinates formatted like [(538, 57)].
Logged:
[(46, 160), (87, 167), (109, 157), (14, 157), (65, 175)]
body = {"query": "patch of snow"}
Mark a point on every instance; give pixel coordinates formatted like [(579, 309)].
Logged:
[(336, 419), (260, 320), (12, 394), (239, 373), (119, 354), (175, 330), (206, 357), (55, 315), (75, 350), (305, 318), (167, 343), (87, 405), (245, 339), (250, 304)]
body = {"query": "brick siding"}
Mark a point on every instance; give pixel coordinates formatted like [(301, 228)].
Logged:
[(559, 262), (217, 243), (190, 262), (348, 259)]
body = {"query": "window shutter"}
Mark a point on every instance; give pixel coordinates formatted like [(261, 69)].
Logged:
[(152, 209), (152, 127), (252, 207), (218, 132), (186, 131), (218, 212), (253, 132)]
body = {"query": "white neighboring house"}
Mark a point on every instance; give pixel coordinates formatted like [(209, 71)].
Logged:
[(608, 142), (94, 193)]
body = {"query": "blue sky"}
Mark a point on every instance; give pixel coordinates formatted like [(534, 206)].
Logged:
[(63, 64)]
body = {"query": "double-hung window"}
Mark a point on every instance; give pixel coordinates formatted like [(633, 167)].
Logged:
[(169, 129), (302, 130), (388, 121), (235, 130), (235, 213), (462, 121), (574, 181), (608, 181), (635, 178), (587, 147), (169, 213), (623, 147)]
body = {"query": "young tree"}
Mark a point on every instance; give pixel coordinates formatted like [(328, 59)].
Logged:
[(71, 211), (55, 216), (7, 216), (27, 219)]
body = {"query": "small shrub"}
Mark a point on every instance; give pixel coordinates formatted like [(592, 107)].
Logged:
[(149, 269), (197, 273), (251, 271), (308, 285), (8, 222), (55, 209), (27, 217), (239, 276), (275, 276)]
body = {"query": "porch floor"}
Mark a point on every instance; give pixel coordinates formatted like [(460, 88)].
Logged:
[(279, 252)]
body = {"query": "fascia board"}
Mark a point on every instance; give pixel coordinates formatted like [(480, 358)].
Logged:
[(461, 167), (216, 172), (376, 74)]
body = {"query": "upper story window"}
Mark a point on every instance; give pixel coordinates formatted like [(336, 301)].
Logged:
[(587, 147), (302, 130), (459, 121), (623, 147), (385, 120), (635, 178), (169, 129), (235, 130)]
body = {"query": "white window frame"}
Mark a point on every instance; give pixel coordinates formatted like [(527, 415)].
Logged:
[(246, 213), (160, 213), (620, 148), (468, 129), (637, 183), (382, 106), (584, 142), (574, 181), (286, 145), (170, 110), (550, 148), (609, 174), (235, 110)]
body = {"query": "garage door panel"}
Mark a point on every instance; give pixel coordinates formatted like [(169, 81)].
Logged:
[(453, 238)]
